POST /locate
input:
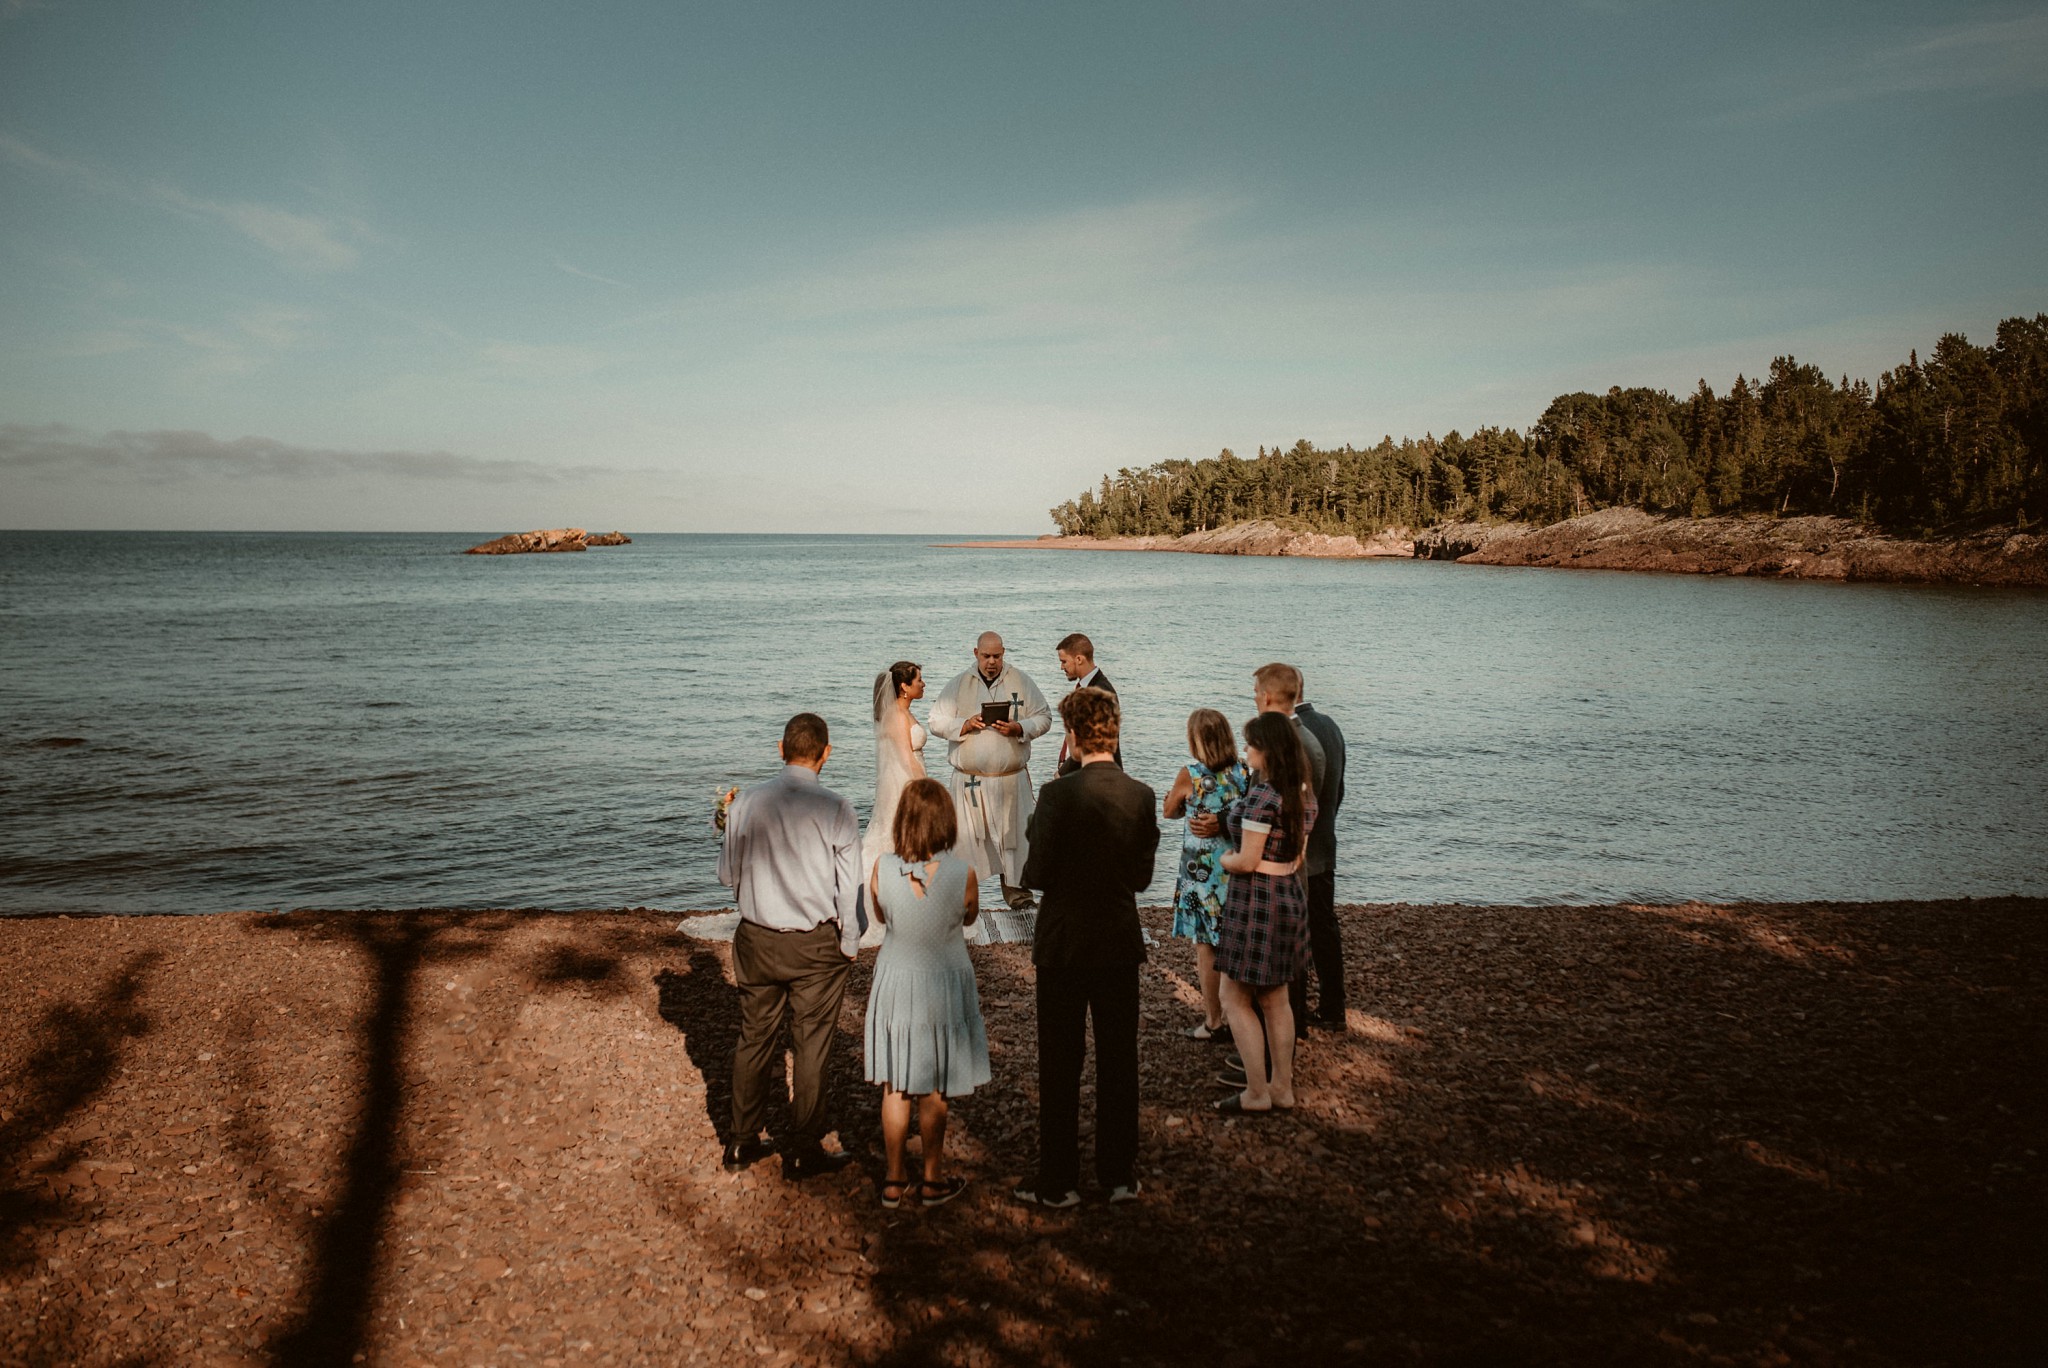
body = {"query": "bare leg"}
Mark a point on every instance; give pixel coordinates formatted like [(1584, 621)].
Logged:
[(1212, 985), (1279, 1011), (931, 1124), (895, 1130), (1251, 1043)]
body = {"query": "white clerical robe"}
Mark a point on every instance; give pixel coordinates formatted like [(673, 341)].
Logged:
[(993, 809)]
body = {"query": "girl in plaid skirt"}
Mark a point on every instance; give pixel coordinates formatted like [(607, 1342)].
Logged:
[(1262, 939)]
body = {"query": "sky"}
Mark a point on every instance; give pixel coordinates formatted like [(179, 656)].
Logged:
[(938, 267)]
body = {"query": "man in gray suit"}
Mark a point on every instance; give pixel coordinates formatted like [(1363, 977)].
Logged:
[(791, 855)]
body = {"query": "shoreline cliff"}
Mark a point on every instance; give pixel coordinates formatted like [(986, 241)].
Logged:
[(1815, 548)]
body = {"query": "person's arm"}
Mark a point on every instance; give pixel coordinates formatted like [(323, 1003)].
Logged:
[(846, 878), (729, 843), (1036, 832), (1177, 796), (1204, 824), (1246, 857), (972, 905), (875, 896), (1144, 849), (1037, 715), (944, 720), (896, 736)]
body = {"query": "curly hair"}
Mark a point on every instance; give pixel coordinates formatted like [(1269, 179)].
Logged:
[(1092, 720)]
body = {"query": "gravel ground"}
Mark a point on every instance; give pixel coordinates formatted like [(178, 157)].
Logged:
[(1757, 1134)]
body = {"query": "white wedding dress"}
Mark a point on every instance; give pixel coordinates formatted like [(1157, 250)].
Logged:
[(892, 773)]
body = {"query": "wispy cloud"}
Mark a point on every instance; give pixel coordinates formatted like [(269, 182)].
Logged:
[(537, 362), (60, 452), (1997, 56), (308, 242), (591, 275)]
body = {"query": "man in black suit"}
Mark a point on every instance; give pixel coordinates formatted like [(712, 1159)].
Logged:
[(1319, 875), (1093, 839), (1077, 663)]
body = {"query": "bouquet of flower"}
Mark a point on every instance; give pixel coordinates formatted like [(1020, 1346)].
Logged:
[(724, 805)]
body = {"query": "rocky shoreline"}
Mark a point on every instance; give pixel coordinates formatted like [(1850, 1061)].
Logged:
[(1813, 548), (1759, 1134)]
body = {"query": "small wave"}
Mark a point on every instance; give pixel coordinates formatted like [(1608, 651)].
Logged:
[(55, 743)]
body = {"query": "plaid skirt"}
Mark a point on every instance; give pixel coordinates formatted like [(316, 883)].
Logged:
[(1262, 938)]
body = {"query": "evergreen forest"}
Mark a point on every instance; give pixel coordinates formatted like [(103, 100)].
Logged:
[(1953, 443)]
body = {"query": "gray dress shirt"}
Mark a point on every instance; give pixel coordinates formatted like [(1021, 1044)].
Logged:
[(791, 855)]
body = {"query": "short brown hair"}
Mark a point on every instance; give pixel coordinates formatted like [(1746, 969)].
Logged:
[(925, 822), (804, 738), (1210, 740), (1074, 643), (1092, 719), (1278, 681)]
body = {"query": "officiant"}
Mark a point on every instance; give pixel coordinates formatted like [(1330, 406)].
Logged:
[(989, 717)]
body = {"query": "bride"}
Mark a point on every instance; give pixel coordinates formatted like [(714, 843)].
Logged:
[(899, 758)]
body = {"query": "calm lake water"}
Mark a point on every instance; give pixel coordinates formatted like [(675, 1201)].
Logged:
[(375, 721)]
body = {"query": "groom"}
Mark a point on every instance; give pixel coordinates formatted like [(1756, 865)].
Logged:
[(993, 802)]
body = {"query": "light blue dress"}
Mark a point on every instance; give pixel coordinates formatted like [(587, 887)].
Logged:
[(924, 1029), (1203, 886)]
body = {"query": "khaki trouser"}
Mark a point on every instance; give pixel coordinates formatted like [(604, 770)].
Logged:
[(801, 974)]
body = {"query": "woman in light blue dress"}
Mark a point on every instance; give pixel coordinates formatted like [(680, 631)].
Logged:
[(925, 1036), (1213, 779)]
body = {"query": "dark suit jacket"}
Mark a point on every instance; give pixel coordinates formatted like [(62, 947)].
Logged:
[(1322, 837), (1073, 762), (1093, 838)]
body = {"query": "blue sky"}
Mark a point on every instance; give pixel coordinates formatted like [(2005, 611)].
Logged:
[(938, 267)]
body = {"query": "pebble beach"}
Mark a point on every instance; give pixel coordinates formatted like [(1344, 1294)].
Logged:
[(1756, 1134)]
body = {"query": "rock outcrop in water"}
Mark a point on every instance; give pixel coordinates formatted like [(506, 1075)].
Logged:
[(547, 539)]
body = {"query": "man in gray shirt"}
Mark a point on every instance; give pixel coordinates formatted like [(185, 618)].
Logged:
[(791, 855)]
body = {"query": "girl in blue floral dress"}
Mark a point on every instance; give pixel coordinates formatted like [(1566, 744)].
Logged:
[(1213, 780)]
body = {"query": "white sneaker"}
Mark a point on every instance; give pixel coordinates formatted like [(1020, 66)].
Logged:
[(1061, 1202), (1126, 1192)]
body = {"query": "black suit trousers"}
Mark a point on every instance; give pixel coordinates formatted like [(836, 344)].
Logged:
[(1326, 952), (1067, 997)]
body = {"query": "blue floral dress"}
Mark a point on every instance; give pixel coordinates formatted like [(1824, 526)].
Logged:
[(1199, 894)]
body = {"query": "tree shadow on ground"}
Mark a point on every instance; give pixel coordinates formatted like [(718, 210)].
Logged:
[(84, 1044), (348, 1248)]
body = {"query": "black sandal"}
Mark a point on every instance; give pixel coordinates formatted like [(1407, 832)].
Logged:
[(901, 1185), (942, 1191), (1233, 1105), (1206, 1032)]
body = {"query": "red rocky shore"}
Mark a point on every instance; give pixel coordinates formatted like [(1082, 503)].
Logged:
[(1630, 539), (1758, 1134)]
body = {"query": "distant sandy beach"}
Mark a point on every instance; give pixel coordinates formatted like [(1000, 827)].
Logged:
[(1754, 1134)]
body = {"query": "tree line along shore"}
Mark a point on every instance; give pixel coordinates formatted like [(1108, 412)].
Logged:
[(1943, 449)]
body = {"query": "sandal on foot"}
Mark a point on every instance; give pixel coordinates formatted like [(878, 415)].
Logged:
[(892, 1200), (1204, 1031), (1233, 1105), (942, 1191)]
